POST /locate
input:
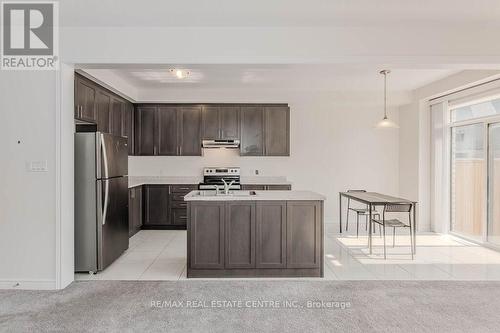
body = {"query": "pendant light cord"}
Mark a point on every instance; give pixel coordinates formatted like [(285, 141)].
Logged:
[(385, 95)]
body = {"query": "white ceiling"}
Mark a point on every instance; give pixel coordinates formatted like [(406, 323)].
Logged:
[(339, 77), (278, 12)]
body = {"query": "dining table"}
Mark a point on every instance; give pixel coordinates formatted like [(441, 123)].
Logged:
[(375, 199)]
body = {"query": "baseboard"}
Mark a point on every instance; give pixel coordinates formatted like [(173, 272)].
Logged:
[(28, 284)]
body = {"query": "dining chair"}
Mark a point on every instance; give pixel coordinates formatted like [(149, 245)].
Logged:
[(360, 211), (396, 223)]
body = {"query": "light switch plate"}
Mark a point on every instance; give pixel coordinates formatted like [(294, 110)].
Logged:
[(37, 166)]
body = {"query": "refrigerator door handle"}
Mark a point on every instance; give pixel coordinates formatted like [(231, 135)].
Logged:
[(104, 157), (106, 199)]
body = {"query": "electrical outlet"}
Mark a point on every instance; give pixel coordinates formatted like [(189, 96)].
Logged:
[(256, 171), (37, 166)]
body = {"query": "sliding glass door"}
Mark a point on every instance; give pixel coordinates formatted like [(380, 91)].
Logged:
[(468, 186), (493, 234)]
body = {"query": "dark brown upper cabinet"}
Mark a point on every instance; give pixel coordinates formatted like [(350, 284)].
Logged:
[(265, 130), (221, 122), (189, 127), (116, 116), (252, 131), (85, 99), (166, 129), (145, 123), (277, 131), (103, 111), (127, 125)]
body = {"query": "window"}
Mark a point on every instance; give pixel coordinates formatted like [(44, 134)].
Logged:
[(477, 110)]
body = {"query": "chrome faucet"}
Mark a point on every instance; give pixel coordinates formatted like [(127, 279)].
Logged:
[(227, 186), (216, 189)]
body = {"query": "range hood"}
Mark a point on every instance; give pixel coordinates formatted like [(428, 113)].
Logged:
[(220, 143)]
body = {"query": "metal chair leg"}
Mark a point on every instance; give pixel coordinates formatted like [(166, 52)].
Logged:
[(357, 225), (393, 236), (366, 224), (347, 219), (411, 242), (385, 254)]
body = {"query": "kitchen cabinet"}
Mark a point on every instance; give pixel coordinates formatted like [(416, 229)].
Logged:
[(145, 123), (164, 206), (178, 207), (277, 131), (135, 210), (206, 230), (127, 125), (189, 131), (221, 122), (103, 111), (303, 233), (239, 234), (116, 116), (265, 130), (166, 131), (270, 235), (156, 199), (85, 98), (252, 131), (262, 187)]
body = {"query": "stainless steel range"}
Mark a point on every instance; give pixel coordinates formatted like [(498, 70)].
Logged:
[(216, 176)]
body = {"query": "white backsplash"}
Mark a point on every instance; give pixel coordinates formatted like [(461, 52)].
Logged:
[(193, 165)]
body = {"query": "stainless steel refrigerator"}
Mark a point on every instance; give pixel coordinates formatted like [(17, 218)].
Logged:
[(101, 200)]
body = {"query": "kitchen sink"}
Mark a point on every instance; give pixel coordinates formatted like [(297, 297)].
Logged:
[(211, 193)]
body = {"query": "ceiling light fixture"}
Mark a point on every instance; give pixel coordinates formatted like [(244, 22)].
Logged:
[(179, 73), (386, 122)]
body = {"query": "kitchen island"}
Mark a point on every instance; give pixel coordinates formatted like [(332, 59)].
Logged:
[(254, 234)]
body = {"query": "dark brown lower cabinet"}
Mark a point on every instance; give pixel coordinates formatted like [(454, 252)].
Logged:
[(255, 238), (270, 234), (240, 234), (156, 205), (206, 232), (135, 210), (304, 234)]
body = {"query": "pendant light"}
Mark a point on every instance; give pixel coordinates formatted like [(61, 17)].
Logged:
[(386, 122)]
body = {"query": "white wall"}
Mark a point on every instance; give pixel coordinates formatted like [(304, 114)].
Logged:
[(27, 199), (334, 145)]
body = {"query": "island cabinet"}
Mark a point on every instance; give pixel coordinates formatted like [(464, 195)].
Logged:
[(206, 234), (239, 230), (255, 238), (270, 234)]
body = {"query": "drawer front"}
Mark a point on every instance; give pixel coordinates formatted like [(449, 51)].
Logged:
[(178, 216), (178, 204), (177, 197), (183, 189)]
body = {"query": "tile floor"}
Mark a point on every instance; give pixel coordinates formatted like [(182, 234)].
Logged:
[(161, 255)]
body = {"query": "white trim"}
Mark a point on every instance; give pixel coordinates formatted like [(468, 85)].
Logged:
[(28, 284), (58, 176)]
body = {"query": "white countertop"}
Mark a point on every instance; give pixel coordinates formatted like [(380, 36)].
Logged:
[(143, 180), (250, 180), (259, 196)]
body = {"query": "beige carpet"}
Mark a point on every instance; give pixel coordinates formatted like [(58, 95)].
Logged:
[(255, 306)]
